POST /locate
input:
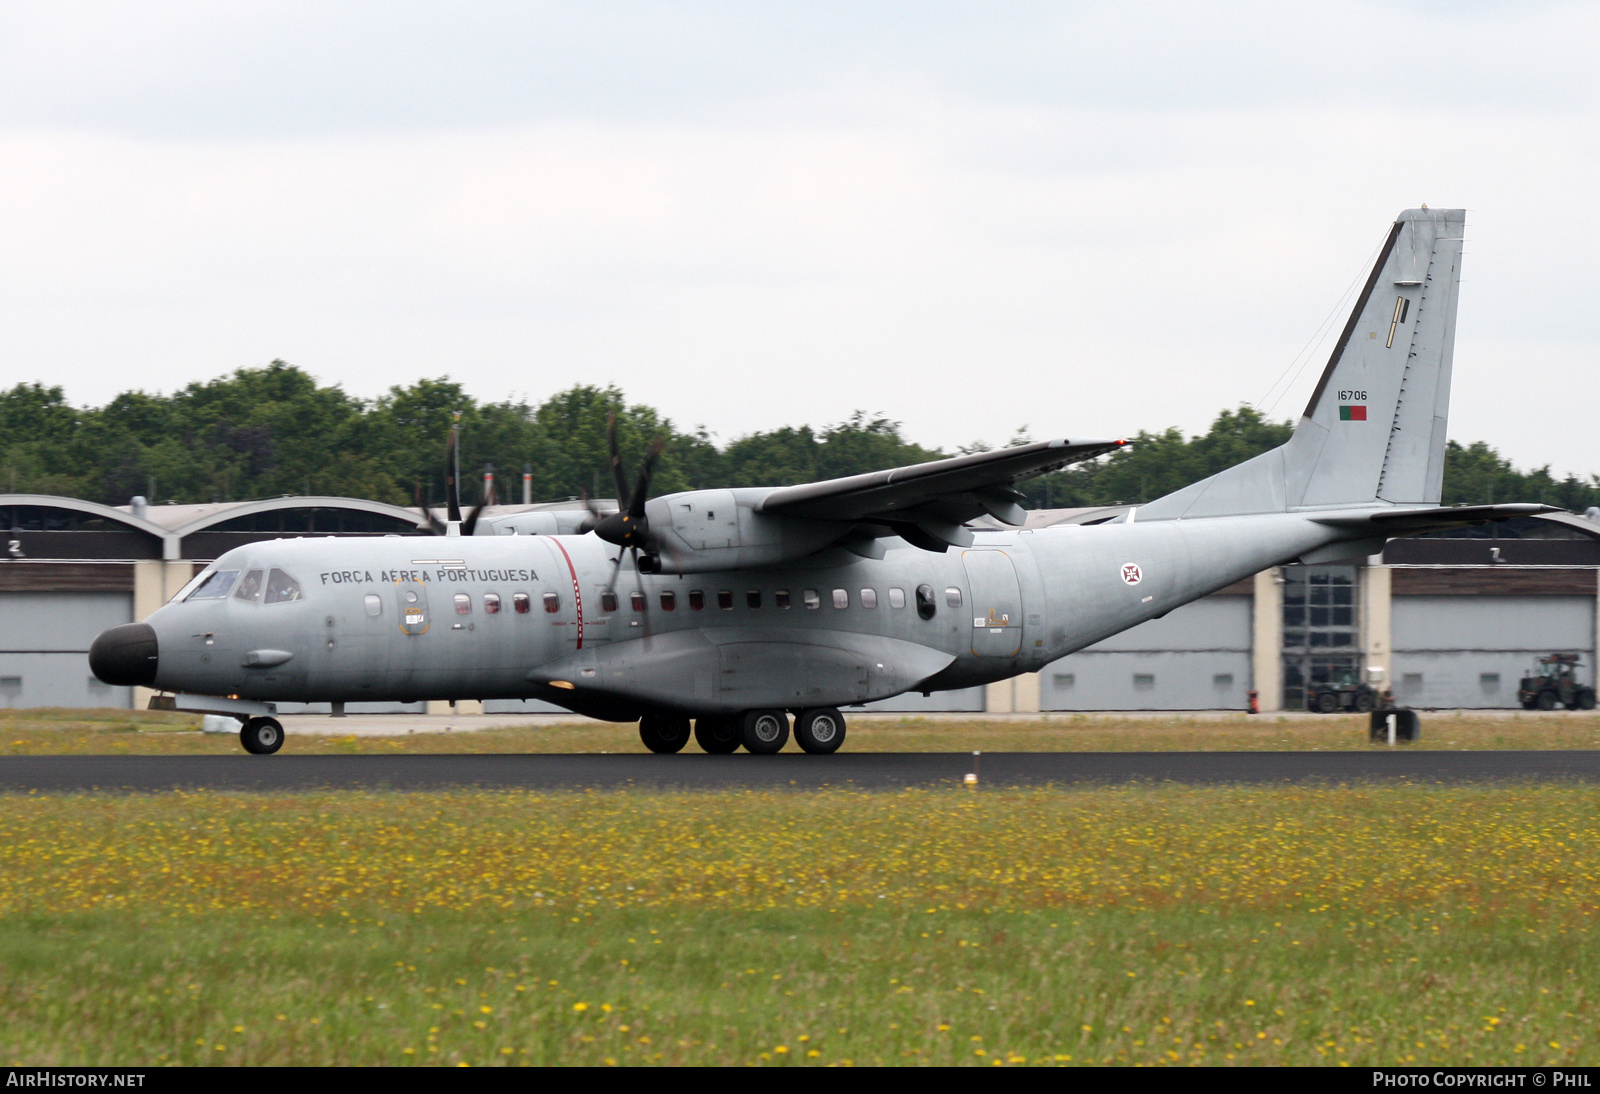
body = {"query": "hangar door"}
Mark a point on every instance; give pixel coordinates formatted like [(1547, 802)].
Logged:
[(996, 603), (44, 648)]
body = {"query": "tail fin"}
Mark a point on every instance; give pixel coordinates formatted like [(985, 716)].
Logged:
[(1374, 431)]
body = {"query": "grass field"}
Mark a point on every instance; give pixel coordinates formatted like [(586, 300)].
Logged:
[(114, 732), (1355, 925)]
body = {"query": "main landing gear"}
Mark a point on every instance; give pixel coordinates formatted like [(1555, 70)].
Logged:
[(819, 731), (261, 736)]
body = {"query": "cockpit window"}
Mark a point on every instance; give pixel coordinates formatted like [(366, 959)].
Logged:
[(216, 586), (282, 588), (250, 588)]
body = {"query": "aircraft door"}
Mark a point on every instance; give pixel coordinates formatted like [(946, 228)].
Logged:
[(996, 607), (411, 607)]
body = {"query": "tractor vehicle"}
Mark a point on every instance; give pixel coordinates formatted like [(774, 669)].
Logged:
[(1554, 682), (1345, 691)]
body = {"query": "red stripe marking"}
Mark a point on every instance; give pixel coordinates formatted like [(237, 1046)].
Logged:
[(577, 593)]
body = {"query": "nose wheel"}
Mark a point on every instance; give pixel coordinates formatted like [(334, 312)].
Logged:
[(261, 736)]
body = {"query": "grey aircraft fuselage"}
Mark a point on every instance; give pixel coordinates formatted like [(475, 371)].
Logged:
[(486, 617)]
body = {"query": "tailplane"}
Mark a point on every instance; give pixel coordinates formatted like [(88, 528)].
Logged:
[(1374, 431)]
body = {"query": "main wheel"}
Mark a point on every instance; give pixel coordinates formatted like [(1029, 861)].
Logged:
[(1364, 702), (718, 735), (1586, 698), (764, 732), (819, 731), (261, 736), (664, 733), (1326, 702), (1546, 700)]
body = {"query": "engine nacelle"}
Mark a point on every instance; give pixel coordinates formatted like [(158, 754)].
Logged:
[(699, 531)]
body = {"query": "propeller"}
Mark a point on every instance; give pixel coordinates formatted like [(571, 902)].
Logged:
[(455, 524), (628, 528)]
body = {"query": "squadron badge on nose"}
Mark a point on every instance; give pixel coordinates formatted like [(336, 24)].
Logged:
[(1131, 573)]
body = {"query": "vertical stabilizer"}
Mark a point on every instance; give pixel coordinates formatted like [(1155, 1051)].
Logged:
[(1375, 429)]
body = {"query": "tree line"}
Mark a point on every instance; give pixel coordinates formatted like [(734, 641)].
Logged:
[(269, 431)]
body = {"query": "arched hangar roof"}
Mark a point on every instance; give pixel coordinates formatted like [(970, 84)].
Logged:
[(203, 517)]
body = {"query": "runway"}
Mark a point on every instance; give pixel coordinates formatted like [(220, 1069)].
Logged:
[(867, 770)]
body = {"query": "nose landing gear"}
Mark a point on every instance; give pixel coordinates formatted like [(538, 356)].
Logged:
[(261, 736)]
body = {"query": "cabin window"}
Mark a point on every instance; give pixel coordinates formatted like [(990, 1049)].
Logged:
[(552, 603), (491, 603), (636, 601), (752, 598), (952, 597), (608, 601), (519, 603), (217, 585), (463, 604), (926, 606), (869, 598), (841, 598), (281, 588), (374, 604), (780, 599), (811, 599), (669, 600), (697, 600), (725, 599), (250, 588), (897, 598)]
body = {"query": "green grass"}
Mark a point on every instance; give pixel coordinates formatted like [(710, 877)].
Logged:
[(1355, 925), (122, 732)]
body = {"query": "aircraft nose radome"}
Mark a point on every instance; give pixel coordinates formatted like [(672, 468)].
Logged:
[(125, 656)]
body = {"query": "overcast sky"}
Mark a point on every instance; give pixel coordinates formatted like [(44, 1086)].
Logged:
[(1083, 218)]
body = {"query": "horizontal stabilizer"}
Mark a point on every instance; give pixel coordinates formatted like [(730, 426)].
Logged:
[(1397, 522)]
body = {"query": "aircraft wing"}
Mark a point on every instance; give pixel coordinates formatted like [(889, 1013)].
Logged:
[(934, 498), (1399, 522)]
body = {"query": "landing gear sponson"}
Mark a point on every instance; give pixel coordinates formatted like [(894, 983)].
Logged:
[(818, 731)]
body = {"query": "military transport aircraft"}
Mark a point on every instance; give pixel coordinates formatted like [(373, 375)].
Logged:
[(735, 609)]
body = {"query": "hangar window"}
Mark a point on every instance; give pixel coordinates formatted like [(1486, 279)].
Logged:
[(926, 605), (780, 599), (491, 603), (725, 599), (1065, 679), (952, 597), (374, 604), (869, 598), (250, 588), (281, 588), (669, 600), (552, 603), (636, 600), (1142, 680), (811, 599), (1222, 680), (1489, 682), (519, 601), (697, 600), (841, 598), (608, 601), (217, 585), (897, 598), (752, 598)]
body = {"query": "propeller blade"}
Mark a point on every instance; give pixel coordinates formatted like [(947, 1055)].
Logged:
[(642, 491), (451, 494), (472, 518), (596, 514), (618, 475)]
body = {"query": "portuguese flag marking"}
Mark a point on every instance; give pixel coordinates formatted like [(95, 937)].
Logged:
[(1352, 413)]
